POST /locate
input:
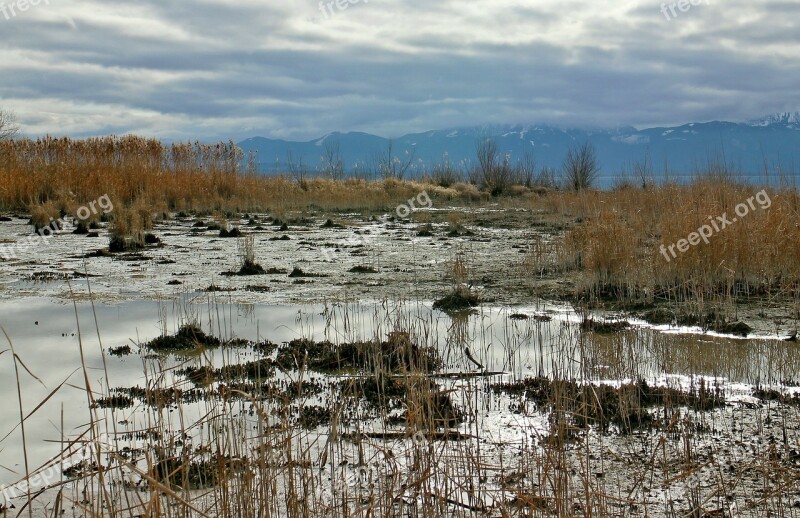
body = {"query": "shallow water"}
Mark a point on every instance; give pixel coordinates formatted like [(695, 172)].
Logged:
[(50, 341)]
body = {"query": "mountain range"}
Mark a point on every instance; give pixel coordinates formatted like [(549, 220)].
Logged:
[(678, 152)]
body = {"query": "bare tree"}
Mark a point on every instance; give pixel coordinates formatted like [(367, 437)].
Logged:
[(8, 125), (296, 167), (445, 173), (332, 163), (391, 166), (493, 174), (487, 158), (580, 167), (525, 171), (644, 171), (547, 177)]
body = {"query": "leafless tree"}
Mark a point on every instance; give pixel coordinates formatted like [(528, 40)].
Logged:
[(8, 125), (644, 171), (296, 167), (580, 167), (525, 171), (487, 157), (332, 163), (493, 175), (547, 177), (391, 166)]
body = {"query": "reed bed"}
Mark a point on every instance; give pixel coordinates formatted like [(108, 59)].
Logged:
[(183, 176), (614, 242)]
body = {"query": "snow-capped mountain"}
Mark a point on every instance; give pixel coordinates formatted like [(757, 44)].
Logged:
[(679, 151), (785, 118)]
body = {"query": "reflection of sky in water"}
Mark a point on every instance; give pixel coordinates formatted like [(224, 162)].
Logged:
[(518, 347)]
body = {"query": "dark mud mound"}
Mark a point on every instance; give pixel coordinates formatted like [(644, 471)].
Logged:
[(189, 336), (396, 354), (180, 472), (416, 401), (248, 268), (659, 317), (330, 224), (122, 350), (297, 273), (362, 269), (603, 326), (425, 231), (114, 401), (312, 416), (457, 301), (233, 232), (122, 244), (625, 406), (710, 321)]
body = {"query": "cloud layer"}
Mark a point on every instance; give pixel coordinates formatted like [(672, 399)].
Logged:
[(212, 69)]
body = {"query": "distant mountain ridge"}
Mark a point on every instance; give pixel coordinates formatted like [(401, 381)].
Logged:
[(681, 151)]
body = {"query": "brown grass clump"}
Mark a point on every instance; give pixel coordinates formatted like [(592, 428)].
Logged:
[(128, 229), (615, 242), (44, 217)]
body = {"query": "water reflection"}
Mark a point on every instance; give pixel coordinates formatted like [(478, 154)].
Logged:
[(46, 337)]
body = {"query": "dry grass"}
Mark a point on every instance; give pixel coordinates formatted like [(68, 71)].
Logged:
[(615, 237), (133, 170)]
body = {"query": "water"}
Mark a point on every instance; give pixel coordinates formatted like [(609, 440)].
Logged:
[(59, 347)]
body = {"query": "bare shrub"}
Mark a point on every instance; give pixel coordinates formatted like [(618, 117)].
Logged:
[(580, 168)]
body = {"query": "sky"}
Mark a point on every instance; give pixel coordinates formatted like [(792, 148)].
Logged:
[(295, 69)]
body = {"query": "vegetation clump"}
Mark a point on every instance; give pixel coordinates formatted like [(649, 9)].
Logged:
[(232, 232), (248, 256), (459, 300), (129, 229), (425, 230), (625, 406), (298, 272), (462, 297), (114, 401), (330, 224), (122, 350), (362, 269), (604, 326), (45, 219), (189, 336), (181, 472), (396, 354)]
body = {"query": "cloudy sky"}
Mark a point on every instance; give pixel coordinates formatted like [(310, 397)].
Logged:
[(212, 69)]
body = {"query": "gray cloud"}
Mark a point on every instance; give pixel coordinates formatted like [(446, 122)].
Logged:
[(222, 69)]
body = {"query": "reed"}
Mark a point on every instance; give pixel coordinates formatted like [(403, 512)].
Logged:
[(179, 177), (614, 240)]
